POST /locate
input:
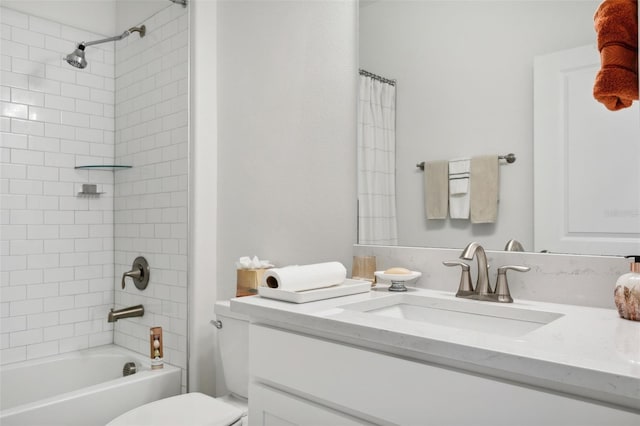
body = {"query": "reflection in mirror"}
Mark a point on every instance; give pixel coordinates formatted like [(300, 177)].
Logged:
[(464, 73), (577, 208), (377, 221)]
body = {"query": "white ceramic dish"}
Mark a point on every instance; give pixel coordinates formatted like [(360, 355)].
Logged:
[(398, 277), (349, 286)]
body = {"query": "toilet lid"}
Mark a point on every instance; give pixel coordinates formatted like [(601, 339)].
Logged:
[(186, 409)]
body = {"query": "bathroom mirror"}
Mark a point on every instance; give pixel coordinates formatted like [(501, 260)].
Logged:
[(465, 73)]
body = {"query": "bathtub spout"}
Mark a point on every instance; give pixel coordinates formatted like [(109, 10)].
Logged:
[(132, 311)]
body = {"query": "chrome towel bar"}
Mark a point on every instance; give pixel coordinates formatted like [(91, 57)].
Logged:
[(510, 158)]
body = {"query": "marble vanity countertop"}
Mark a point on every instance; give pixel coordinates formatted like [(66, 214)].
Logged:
[(588, 352)]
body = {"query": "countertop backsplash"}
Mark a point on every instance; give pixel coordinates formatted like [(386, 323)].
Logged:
[(556, 278)]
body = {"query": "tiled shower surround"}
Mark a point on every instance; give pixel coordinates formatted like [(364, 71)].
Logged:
[(57, 247), (151, 198), (63, 255)]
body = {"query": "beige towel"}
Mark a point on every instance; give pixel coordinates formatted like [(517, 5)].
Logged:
[(436, 189), (484, 183)]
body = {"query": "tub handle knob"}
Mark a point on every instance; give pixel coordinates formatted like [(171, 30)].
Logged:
[(139, 273), (216, 323)]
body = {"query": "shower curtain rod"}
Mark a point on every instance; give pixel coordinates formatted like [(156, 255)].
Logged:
[(377, 77)]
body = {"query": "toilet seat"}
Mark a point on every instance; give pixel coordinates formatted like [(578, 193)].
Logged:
[(186, 409)]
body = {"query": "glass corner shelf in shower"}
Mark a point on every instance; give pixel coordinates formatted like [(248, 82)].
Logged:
[(103, 167)]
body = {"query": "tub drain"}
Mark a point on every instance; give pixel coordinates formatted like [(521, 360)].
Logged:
[(129, 369)]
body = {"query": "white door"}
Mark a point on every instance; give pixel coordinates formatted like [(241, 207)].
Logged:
[(586, 161)]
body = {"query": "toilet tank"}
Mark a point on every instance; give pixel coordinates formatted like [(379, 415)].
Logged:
[(233, 341)]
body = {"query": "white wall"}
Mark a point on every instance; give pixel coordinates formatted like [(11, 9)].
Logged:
[(286, 140), (57, 247), (204, 195), (286, 81), (465, 88)]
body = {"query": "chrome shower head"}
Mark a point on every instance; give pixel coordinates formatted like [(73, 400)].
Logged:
[(76, 58)]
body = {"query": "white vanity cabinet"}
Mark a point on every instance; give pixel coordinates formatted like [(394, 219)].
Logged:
[(298, 379)]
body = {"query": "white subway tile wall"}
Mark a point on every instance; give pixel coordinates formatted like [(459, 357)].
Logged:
[(150, 211), (62, 255), (57, 262)]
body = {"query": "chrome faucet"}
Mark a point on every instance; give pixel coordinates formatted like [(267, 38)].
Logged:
[(483, 290), (482, 287), (131, 311)]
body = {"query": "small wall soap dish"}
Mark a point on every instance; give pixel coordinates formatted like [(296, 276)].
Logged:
[(89, 190)]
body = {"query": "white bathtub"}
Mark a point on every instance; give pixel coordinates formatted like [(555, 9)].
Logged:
[(80, 388)]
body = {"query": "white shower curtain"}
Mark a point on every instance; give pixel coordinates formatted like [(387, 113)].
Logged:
[(377, 222)]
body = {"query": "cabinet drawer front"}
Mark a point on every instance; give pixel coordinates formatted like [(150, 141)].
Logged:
[(383, 388)]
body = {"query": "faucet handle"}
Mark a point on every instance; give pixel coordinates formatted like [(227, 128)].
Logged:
[(503, 269), (139, 273), (134, 274), (502, 286), (465, 286)]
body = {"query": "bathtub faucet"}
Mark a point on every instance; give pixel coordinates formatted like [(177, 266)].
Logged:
[(131, 311)]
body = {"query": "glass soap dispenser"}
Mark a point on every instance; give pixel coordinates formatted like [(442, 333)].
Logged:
[(627, 292)]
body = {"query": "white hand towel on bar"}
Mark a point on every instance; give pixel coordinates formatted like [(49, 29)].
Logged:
[(484, 187), (305, 277), (459, 188), (436, 189)]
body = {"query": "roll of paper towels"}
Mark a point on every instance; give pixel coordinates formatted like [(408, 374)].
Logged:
[(305, 277)]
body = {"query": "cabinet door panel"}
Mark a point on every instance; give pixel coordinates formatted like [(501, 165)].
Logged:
[(271, 407)]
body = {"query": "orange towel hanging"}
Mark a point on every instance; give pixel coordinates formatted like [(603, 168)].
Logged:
[(616, 24)]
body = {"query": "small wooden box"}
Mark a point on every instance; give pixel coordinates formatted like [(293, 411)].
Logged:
[(248, 281)]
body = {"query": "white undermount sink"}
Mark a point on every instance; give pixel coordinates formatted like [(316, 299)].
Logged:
[(487, 317)]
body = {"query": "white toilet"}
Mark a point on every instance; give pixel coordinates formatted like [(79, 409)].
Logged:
[(197, 409)]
